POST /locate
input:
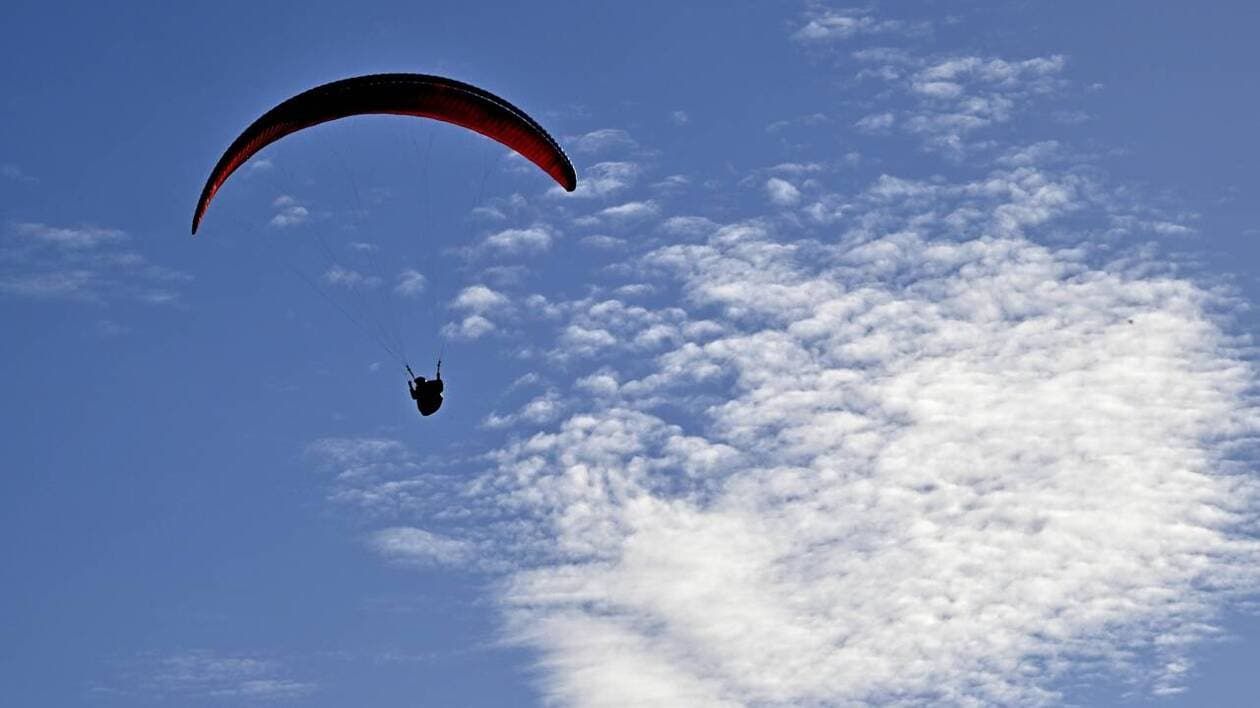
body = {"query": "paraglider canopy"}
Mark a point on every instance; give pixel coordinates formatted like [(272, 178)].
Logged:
[(419, 95)]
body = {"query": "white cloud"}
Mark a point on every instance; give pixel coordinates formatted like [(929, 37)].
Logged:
[(912, 468), (535, 239), (811, 120), (601, 180), (603, 241), (603, 140), (679, 118), (585, 340), (1040, 153), (798, 168), (876, 123), (782, 192), (357, 454), (825, 25), (410, 283), (380, 476), (412, 545), (539, 410), (289, 212), (630, 211), (691, 226), (65, 284), (70, 237), (198, 675), (672, 184), (480, 299), (471, 327), (88, 264), (958, 96), (348, 278), (499, 208)]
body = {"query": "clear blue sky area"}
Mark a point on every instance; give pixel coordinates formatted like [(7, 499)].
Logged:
[(215, 491)]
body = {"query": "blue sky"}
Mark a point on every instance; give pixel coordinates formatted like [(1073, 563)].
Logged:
[(898, 352)]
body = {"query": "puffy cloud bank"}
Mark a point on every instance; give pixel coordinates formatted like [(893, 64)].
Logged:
[(931, 460)]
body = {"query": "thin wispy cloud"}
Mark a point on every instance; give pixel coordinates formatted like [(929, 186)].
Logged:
[(349, 278), (824, 25), (603, 242), (414, 546), (603, 140), (630, 211), (76, 237), (10, 171), (85, 263), (688, 226), (201, 675)]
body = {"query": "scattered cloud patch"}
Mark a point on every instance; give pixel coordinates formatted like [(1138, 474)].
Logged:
[(690, 226), (601, 180), (630, 211), (825, 25), (603, 242), (892, 470), (411, 283), (953, 98), (87, 264), (876, 123), (204, 675), (781, 192), (347, 278), (886, 443), (470, 327), (10, 171), (405, 544), (811, 120), (480, 299), (535, 239), (288, 212), (76, 237), (603, 140), (500, 208), (540, 410), (798, 168)]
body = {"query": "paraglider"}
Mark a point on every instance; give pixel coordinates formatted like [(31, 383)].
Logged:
[(417, 95)]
